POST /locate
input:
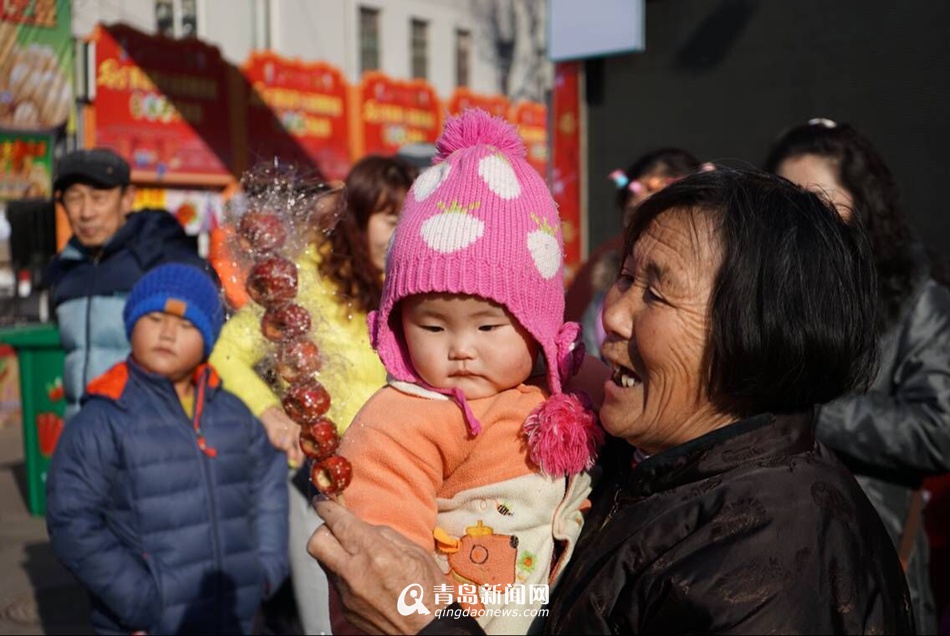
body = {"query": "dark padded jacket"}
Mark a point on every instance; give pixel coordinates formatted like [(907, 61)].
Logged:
[(168, 538), (89, 292), (899, 432), (752, 529)]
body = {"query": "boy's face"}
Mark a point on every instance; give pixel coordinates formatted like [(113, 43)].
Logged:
[(167, 345), (466, 342)]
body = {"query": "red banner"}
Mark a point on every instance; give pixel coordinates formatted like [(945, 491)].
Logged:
[(566, 159), (395, 113), (531, 119), (163, 105), (463, 98), (297, 111)]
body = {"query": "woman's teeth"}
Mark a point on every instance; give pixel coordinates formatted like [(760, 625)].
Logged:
[(624, 377)]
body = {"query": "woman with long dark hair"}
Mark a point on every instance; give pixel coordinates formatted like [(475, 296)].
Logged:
[(897, 433)]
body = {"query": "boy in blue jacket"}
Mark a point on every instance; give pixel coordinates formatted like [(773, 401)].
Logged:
[(164, 497)]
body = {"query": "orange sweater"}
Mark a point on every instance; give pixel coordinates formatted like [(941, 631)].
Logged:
[(416, 469)]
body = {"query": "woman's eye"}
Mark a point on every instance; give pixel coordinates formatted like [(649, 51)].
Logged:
[(624, 281), (651, 296)]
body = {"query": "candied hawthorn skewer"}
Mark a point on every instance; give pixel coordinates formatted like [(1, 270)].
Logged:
[(272, 281), (285, 322)]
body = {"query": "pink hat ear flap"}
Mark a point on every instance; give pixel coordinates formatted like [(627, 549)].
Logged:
[(570, 351), (563, 434), (372, 323)]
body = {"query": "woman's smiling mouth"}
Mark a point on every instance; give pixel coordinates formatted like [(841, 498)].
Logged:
[(624, 377)]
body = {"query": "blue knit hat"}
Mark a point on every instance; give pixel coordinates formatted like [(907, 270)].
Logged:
[(182, 290)]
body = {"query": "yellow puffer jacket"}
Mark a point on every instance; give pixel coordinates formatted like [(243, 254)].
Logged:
[(351, 370)]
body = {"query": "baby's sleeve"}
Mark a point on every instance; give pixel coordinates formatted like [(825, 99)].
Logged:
[(398, 468)]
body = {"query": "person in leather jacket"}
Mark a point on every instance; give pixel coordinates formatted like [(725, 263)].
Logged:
[(897, 433)]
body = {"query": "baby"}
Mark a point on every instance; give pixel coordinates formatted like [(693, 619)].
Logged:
[(467, 450)]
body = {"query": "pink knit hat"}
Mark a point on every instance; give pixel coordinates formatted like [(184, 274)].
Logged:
[(482, 222)]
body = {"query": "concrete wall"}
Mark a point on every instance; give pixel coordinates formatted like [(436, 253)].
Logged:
[(724, 78)]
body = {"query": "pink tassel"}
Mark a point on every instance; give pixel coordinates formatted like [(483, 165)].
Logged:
[(475, 127), (563, 434)]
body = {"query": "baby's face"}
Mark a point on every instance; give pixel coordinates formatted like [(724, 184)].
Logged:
[(466, 342), (167, 345)]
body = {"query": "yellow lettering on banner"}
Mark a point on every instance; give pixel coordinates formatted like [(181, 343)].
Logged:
[(420, 118), (290, 99), (318, 127), (531, 134), (369, 112), (113, 75), (376, 113)]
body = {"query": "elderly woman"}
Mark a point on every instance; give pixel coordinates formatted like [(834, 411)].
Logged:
[(742, 302)]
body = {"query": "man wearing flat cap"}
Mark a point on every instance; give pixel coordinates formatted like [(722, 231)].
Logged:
[(111, 248)]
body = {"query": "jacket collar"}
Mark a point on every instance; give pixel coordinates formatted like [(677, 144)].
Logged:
[(113, 383), (74, 250), (761, 438)]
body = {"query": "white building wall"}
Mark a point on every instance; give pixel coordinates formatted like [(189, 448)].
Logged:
[(319, 30)]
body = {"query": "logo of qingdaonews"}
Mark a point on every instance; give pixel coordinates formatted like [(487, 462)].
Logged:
[(414, 592)]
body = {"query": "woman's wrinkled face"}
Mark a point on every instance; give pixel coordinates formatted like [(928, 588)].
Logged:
[(380, 227), (656, 317), (819, 175)]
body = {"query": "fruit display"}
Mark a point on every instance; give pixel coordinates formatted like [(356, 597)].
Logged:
[(267, 239)]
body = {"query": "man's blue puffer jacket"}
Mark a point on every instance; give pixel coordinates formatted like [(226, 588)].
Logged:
[(167, 537), (90, 288)]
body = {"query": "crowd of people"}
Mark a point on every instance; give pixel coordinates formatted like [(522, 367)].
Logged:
[(722, 426)]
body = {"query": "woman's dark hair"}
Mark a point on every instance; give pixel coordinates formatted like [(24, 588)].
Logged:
[(375, 184), (793, 320), (664, 162), (862, 171)]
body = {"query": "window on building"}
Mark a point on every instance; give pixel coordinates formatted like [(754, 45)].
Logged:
[(463, 57), (189, 18), (419, 45), (165, 17), (177, 18), (369, 39)]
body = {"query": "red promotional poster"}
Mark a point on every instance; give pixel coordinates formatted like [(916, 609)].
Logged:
[(566, 158), (163, 105), (395, 113), (463, 98), (531, 119), (297, 112)]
